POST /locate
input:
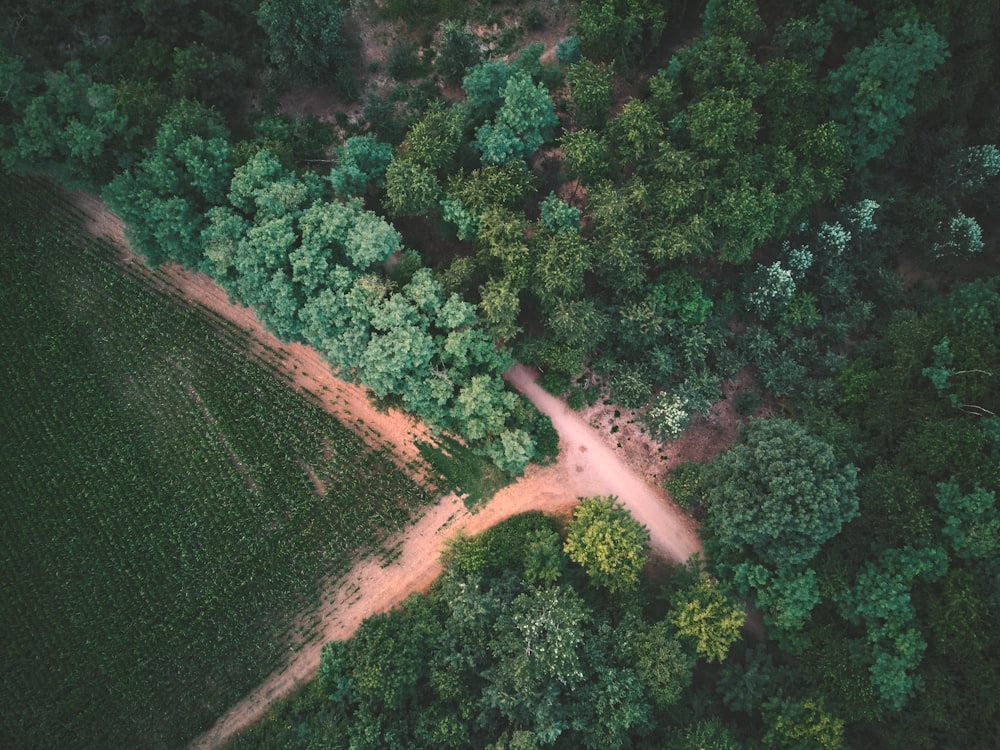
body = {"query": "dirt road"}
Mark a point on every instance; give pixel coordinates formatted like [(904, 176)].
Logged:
[(586, 466)]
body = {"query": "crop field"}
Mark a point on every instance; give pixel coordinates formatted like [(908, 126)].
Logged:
[(168, 507)]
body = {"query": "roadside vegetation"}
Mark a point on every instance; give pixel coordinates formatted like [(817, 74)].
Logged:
[(654, 200)]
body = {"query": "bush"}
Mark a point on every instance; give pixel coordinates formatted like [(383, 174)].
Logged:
[(685, 487)]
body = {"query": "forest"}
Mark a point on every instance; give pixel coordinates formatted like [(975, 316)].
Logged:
[(645, 201)]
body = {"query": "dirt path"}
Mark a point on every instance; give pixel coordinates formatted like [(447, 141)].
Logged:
[(586, 466)]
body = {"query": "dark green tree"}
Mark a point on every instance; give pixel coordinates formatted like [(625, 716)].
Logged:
[(874, 88), (304, 36), (780, 494)]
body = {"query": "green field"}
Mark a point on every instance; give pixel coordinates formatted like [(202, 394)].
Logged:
[(161, 525)]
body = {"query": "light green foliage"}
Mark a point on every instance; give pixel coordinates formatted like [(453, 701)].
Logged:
[(434, 140), (590, 93), (511, 450), (636, 132), (385, 658), (370, 240), (739, 18), (663, 666), (781, 491), (668, 416), (492, 186), (410, 189), (361, 165), (525, 121), (874, 88), (586, 154), (482, 406), (499, 307), (304, 36), (610, 545), (722, 123), (707, 734), (703, 615), (562, 261), (803, 724)]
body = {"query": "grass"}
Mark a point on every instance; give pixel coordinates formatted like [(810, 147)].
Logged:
[(161, 525)]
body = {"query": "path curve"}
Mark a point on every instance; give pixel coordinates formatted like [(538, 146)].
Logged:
[(598, 470), (586, 466)]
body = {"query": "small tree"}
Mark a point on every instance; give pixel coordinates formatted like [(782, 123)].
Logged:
[(457, 50), (610, 545), (590, 93), (702, 614), (526, 120)]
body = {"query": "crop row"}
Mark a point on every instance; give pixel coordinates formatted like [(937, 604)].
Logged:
[(160, 530)]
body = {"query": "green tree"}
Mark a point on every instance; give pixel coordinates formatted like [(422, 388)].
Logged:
[(434, 140), (707, 734), (72, 124), (874, 88), (620, 30), (361, 165), (304, 36), (590, 93), (544, 560), (781, 492), (722, 123), (802, 723), (538, 649), (880, 598), (525, 121), (164, 200), (610, 545), (386, 656), (663, 666), (703, 615), (587, 154), (410, 189), (457, 50)]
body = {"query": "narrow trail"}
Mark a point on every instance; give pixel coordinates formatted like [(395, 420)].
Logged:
[(586, 466)]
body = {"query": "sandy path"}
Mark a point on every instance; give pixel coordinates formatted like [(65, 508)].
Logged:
[(586, 466)]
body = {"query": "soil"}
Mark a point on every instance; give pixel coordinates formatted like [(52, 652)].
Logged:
[(590, 462)]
